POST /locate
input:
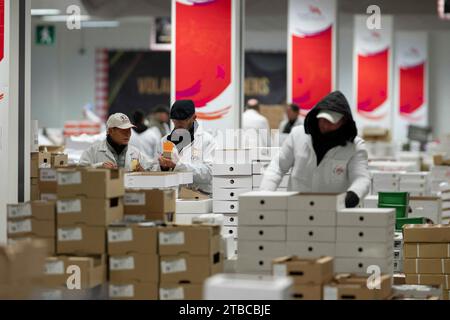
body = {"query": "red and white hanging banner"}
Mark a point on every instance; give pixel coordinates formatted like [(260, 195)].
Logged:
[(205, 59), (2, 29), (311, 51), (372, 74), (411, 84)]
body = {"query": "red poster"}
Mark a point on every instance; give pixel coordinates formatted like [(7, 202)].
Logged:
[(411, 88), (312, 68), (2, 29), (203, 53)]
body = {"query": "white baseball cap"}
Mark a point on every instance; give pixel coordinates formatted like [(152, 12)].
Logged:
[(332, 116), (119, 120)]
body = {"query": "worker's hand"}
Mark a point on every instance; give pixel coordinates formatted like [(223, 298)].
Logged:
[(351, 200), (109, 165), (138, 168), (166, 163)]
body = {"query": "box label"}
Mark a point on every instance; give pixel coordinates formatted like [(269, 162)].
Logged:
[(47, 175), (171, 238), (44, 165), (54, 267), (66, 206), (121, 263), (68, 178), (280, 270), (19, 211), (171, 294), (330, 293), (49, 196), (134, 199), (19, 226), (52, 295), (173, 266), (121, 235), (123, 291), (72, 234), (134, 217)]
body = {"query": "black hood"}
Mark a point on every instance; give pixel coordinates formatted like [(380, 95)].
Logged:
[(336, 102)]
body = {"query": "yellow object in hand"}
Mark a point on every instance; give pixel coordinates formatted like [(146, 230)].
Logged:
[(134, 164)]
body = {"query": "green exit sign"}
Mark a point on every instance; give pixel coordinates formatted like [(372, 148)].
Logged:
[(45, 35)]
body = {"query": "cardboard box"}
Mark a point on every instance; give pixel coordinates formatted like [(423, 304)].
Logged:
[(263, 218), (132, 238), (255, 263), (233, 231), (359, 266), (48, 182), (446, 295), (34, 189), (229, 246), (48, 197), (262, 248), (31, 227), (93, 212), (182, 291), (48, 242), (186, 218), (316, 202), (223, 169), (311, 234), (189, 268), (153, 217), (265, 200), (225, 206), (426, 233), (59, 160), (229, 194), (366, 217), (428, 207), (39, 160), (230, 219), (185, 193), (414, 176), (151, 180), (263, 233), (134, 267), (133, 290), (429, 279), (426, 250), (427, 266), (311, 218), (81, 240), (92, 271), (310, 249), (151, 201), (364, 250), (195, 240), (364, 234), (347, 287), (232, 182), (88, 182), (201, 206), (40, 210), (307, 292), (304, 271)]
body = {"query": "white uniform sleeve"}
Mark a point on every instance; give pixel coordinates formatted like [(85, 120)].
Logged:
[(88, 158), (279, 166), (359, 176)]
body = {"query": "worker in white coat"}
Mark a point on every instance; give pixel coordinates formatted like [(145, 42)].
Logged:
[(291, 120), (254, 123), (142, 137), (193, 148), (114, 151), (325, 154)]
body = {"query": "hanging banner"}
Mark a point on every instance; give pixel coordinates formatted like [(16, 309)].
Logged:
[(372, 79), (411, 85), (2, 29), (311, 51), (205, 59)]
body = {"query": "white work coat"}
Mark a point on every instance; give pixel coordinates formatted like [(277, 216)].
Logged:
[(98, 153), (146, 142), (252, 120), (197, 157), (284, 122), (343, 168)]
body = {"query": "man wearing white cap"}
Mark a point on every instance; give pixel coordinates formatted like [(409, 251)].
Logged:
[(325, 154), (114, 151)]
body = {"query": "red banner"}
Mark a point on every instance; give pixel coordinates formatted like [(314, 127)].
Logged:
[(412, 81), (2, 29)]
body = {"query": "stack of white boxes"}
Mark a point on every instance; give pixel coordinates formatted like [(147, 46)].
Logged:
[(416, 183), (438, 175), (261, 158), (444, 194), (398, 252), (385, 181), (364, 239)]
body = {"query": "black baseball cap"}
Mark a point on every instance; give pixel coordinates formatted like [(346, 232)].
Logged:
[(182, 110)]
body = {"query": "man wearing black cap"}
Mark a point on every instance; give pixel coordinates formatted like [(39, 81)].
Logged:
[(193, 147)]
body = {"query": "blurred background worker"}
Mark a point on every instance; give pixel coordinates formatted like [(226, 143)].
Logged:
[(325, 154), (193, 147), (142, 137), (158, 121), (292, 119), (252, 119), (115, 151)]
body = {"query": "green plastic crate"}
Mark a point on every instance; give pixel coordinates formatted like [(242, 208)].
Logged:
[(395, 198), (400, 222), (400, 211)]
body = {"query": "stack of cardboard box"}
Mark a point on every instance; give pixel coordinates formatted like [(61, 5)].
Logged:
[(188, 255), (133, 261), (38, 160), (32, 220), (427, 255), (365, 238), (149, 205), (43, 174), (309, 275)]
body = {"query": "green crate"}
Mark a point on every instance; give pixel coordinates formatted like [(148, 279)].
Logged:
[(400, 211), (395, 198), (400, 222)]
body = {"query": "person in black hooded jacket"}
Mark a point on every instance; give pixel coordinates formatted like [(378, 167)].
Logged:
[(325, 154)]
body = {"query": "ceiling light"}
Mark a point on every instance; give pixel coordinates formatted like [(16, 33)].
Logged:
[(100, 24), (45, 12), (63, 18)]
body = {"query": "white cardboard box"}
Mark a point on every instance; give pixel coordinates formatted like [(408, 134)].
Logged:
[(414, 176), (364, 250), (385, 175), (229, 194), (230, 219), (220, 206), (366, 217), (316, 202), (193, 206), (230, 231), (232, 156), (229, 246), (364, 234), (232, 182), (210, 218), (255, 264), (258, 167), (224, 169), (186, 218), (428, 207), (262, 233), (264, 200), (264, 153), (262, 248), (151, 180), (440, 173), (311, 234), (310, 249), (371, 201), (359, 266), (247, 287), (314, 218), (186, 177), (263, 218), (417, 186), (257, 179)]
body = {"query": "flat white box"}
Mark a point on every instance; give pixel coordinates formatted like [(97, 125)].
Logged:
[(414, 176), (255, 264), (150, 180), (264, 153), (193, 206), (264, 200), (262, 248), (310, 249), (316, 202), (247, 287), (257, 179), (445, 204), (311, 234), (230, 220), (365, 234), (313, 218), (220, 206), (385, 175), (229, 194), (366, 217), (229, 246), (186, 177), (258, 167), (359, 266), (385, 185), (262, 233), (440, 172), (364, 250), (413, 186), (428, 207), (186, 218), (233, 182), (224, 169), (232, 156), (371, 201), (210, 218), (262, 218), (391, 166), (230, 231)]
